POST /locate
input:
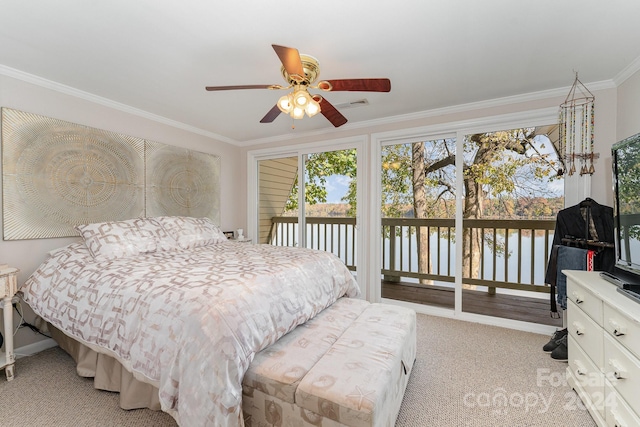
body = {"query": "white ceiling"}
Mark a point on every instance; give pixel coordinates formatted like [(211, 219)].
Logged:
[(156, 56)]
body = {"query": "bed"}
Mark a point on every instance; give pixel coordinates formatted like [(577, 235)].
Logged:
[(182, 308)]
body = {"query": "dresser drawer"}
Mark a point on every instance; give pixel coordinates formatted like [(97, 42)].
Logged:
[(586, 333), (622, 369), (623, 328), (588, 377), (585, 299), (617, 412)]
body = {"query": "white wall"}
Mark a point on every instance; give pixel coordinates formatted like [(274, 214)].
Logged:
[(21, 95)]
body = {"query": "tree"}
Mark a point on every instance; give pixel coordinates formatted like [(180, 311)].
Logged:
[(495, 164)]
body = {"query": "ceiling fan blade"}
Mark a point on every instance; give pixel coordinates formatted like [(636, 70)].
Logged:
[(330, 112), (241, 87), (271, 115), (361, 85), (290, 59)]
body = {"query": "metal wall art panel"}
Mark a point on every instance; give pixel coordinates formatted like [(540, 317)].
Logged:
[(182, 182), (56, 175)]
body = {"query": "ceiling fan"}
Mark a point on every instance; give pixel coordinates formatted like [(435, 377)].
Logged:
[(301, 72)]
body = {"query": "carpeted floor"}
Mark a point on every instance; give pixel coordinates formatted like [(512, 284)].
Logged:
[(466, 374)]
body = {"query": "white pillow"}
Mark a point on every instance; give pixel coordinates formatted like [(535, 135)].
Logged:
[(118, 239), (164, 241), (191, 232)]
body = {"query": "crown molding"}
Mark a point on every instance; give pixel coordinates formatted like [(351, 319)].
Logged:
[(461, 108), (68, 90), (627, 72)]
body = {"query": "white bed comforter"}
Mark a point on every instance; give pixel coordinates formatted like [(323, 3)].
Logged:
[(190, 321)]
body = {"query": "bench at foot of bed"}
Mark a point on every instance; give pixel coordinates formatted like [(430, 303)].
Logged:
[(349, 366)]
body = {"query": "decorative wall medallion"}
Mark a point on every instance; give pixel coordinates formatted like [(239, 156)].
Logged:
[(182, 182), (57, 175)]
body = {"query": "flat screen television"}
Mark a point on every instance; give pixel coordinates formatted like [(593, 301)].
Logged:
[(626, 210)]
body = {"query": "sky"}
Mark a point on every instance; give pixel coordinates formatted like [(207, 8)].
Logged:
[(337, 186)]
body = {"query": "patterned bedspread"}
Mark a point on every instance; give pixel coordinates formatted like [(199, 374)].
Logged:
[(190, 321)]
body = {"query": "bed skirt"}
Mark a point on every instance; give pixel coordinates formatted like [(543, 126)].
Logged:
[(108, 374)]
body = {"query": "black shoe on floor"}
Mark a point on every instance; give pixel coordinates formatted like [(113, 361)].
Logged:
[(553, 342), (560, 353)]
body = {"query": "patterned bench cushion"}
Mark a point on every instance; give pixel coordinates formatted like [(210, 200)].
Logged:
[(361, 380), (278, 369)]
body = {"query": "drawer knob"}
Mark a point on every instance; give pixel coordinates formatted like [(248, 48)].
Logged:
[(618, 330), (577, 298), (578, 328), (616, 419), (618, 371), (580, 369)]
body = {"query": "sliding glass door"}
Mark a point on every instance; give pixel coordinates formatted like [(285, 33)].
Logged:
[(330, 203), (417, 180), (512, 193), (321, 213)]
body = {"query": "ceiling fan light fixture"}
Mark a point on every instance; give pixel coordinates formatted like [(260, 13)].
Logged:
[(285, 103), (297, 113), (312, 108), (301, 98), (298, 103)]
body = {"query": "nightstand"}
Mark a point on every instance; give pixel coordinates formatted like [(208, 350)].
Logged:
[(8, 288)]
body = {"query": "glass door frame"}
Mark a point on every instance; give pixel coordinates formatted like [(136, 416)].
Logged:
[(361, 144), (459, 130)]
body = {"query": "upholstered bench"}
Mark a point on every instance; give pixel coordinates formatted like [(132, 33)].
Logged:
[(349, 366)]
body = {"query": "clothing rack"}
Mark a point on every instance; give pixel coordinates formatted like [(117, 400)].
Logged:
[(570, 241)]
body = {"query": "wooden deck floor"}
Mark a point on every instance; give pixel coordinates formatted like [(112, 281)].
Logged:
[(514, 307)]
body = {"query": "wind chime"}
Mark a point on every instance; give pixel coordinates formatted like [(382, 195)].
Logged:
[(576, 130)]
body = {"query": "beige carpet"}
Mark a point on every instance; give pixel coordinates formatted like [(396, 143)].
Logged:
[(466, 374)]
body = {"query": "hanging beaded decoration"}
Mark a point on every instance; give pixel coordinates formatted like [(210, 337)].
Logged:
[(578, 106)]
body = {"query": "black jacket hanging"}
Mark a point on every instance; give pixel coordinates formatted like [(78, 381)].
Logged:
[(588, 221)]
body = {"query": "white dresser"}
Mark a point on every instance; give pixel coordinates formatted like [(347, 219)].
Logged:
[(604, 349)]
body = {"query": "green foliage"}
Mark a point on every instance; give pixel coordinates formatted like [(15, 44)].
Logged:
[(508, 166), (318, 167), (508, 162), (629, 184), (396, 179)]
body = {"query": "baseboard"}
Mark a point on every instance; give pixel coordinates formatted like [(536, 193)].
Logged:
[(36, 347)]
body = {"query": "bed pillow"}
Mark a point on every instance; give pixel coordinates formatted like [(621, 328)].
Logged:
[(118, 239), (164, 241), (192, 232)]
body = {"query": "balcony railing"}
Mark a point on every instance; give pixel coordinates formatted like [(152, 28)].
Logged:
[(512, 253), (331, 234)]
